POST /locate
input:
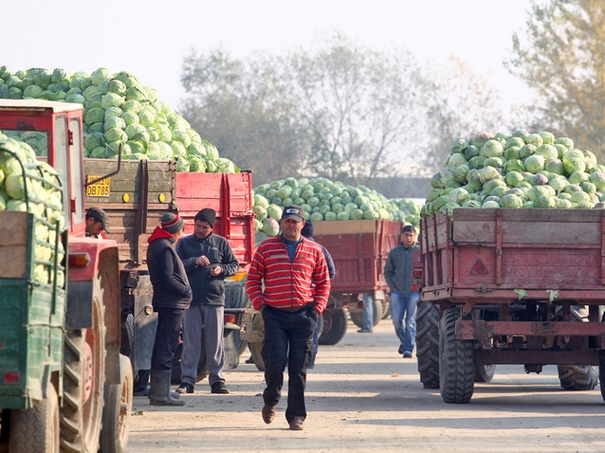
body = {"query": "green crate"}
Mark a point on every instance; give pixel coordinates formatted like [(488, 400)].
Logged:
[(32, 314)]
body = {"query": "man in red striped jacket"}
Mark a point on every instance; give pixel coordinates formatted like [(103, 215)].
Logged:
[(296, 290)]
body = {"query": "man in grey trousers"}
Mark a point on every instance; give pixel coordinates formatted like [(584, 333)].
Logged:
[(208, 259)]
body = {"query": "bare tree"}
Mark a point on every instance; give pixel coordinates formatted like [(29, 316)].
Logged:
[(239, 106), (561, 56), (462, 104), (361, 107)]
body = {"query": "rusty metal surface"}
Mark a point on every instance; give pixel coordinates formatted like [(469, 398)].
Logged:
[(485, 254), (526, 357)]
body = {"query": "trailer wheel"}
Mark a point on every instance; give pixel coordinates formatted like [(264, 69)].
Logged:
[(484, 373), (117, 410), (386, 308), (256, 348), (36, 430), (577, 377), (335, 326), (357, 316), (456, 361), (83, 382), (427, 344)]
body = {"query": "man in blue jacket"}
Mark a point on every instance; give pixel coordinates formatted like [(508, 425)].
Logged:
[(208, 259), (404, 296)]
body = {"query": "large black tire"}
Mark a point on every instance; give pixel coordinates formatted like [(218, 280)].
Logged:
[(386, 308), (578, 377), (335, 326), (128, 342), (256, 348), (427, 344), (117, 410), (484, 373), (36, 430), (357, 316), (83, 383), (456, 361)]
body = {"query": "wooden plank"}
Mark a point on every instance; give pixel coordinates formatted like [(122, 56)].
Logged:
[(530, 215), (14, 261), (13, 244), (13, 228), (345, 227), (527, 268), (530, 232)]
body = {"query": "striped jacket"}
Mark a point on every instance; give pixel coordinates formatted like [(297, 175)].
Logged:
[(288, 285)]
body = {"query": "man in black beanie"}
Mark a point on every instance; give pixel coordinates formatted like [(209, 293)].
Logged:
[(208, 259)]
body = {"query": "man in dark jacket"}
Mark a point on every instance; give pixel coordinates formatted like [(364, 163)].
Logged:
[(171, 296), (404, 295), (208, 259)]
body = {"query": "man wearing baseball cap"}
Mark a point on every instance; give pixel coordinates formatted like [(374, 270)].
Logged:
[(289, 283), (97, 222)]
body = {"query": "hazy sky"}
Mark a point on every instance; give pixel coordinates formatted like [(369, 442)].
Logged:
[(150, 38)]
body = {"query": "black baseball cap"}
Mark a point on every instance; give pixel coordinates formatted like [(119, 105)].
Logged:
[(293, 212), (100, 216)]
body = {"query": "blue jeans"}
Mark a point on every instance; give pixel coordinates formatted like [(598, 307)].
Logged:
[(404, 306), (367, 321)]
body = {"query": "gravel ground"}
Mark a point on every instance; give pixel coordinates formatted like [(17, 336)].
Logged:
[(362, 396)]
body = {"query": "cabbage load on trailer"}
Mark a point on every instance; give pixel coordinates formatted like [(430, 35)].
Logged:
[(507, 285), (29, 185), (118, 112), (323, 199), (519, 170)]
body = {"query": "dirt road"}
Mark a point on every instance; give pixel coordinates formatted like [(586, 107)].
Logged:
[(364, 397)]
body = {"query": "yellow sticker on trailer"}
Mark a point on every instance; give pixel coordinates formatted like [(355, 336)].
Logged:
[(99, 188)]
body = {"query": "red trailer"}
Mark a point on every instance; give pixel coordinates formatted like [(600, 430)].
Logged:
[(230, 195), (360, 249), (511, 286), (135, 199)]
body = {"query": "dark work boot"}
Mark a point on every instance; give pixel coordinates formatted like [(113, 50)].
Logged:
[(160, 394)]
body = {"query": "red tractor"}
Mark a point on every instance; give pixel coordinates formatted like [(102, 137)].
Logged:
[(64, 386)]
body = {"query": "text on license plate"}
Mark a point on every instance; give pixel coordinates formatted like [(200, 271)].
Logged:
[(98, 189)]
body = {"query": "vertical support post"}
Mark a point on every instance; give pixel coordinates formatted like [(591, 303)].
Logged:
[(498, 246), (140, 226), (603, 248), (226, 207)]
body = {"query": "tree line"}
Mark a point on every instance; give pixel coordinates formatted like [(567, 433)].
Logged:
[(347, 112)]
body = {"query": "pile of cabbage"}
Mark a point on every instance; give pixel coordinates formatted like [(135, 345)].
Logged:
[(323, 199), (519, 170), (118, 112), (27, 184)]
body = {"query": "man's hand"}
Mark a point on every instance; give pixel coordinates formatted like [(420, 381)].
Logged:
[(216, 270), (202, 261)]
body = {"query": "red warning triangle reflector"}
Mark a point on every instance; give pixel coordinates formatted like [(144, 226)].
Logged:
[(479, 268)]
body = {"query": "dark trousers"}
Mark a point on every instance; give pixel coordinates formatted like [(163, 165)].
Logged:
[(288, 341), (166, 340)]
